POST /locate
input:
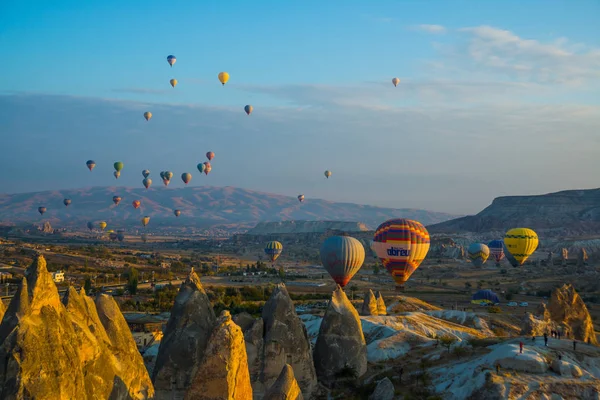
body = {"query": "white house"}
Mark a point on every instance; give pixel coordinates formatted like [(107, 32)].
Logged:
[(58, 276)]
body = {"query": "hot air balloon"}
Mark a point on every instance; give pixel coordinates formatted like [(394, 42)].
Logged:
[(117, 174), (300, 198), (173, 82), (147, 115), (162, 174), (146, 173), (136, 204), (90, 164), (116, 200), (120, 235), (207, 167), (118, 166), (210, 155), (171, 60), (496, 250), (273, 249), (42, 210), (166, 181), (342, 257), (168, 175), (509, 256), (112, 236), (485, 296), (147, 182), (521, 243), (248, 109), (401, 245), (327, 174), (90, 225), (66, 202), (186, 177), (201, 167), (478, 253), (223, 77), (395, 81), (144, 237), (102, 225), (145, 220), (177, 213)]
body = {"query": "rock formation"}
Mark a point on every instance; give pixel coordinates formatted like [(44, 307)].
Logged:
[(384, 390), (223, 371), (2, 309), (286, 342), (381, 308), (369, 306), (49, 351), (47, 228), (582, 257), (568, 310), (185, 338), (285, 387), (253, 330), (341, 343)]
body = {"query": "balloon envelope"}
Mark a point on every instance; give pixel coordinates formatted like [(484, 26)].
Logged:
[(42, 210), (342, 257), (395, 81), (147, 182), (90, 225), (485, 296), (186, 177), (173, 82), (201, 167), (478, 253), (207, 167), (496, 250), (248, 109), (300, 198), (147, 115), (401, 245), (521, 243), (118, 166), (90, 164), (171, 60), (102, 225), (117, 174), (145, 173), (177, 213), (223, 77), (327, 174), (66, 202), (273, 249), (145, 220), (116, 200), (210, 155), (136, 204)]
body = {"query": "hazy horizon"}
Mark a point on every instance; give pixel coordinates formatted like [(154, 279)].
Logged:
[(491, 103)]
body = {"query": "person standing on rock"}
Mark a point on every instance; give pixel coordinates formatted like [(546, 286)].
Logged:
[(400, 372), (533, 339), (545, 339), (574, 345), (521, 347)]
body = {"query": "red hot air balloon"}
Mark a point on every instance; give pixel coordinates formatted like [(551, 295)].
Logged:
[(116, 200), (207, 167), (136, 204), (210, 155)]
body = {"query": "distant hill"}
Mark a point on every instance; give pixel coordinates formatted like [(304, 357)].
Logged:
[(570, 212), (263, 228), (201, 207)]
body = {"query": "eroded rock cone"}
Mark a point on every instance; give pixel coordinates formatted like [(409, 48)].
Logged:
[(381, 308), (369, 306), (286, 342), (384, 390), (223, 372), (582, 257), (132, 377), (253, 330), (567, 309), (17, 309), (285, 387), (2, 309), (185, 338), (341, 343)]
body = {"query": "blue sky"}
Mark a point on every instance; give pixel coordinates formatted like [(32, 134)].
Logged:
[(488, 91)]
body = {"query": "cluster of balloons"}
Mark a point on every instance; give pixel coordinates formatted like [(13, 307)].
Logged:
[(518, 245)]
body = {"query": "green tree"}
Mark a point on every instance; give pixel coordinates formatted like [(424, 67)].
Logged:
[(376, 269), (447, 341), (132, 280), (87, 285), (281, 273), (353, 289)]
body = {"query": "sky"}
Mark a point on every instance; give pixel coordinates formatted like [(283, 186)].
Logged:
[(496, 98)]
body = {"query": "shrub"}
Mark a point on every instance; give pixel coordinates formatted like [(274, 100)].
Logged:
[(494, 310)]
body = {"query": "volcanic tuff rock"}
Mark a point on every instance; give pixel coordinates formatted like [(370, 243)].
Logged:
[(568, 310), (552, 214), (253, 336), (286, 342), (384, 390), (2, 309), (381, 308), (49, 351), (223, 372), (285, 387), (369, 306), (185, 338), (341, 342)]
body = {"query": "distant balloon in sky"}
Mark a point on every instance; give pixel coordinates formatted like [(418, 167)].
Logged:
[(136, 204), (496, 250), (171, 60), (145, 220), (117, 174), (42, 210), (273, 249), (168, 175), (201, 167), (116, 200), (90, 164), (342, 257), (177, 213), (248, 109), (145, 173), (520, 243), (118, 166), (301, 198), (478, 253), (186, 177), (90, 225), (395, 81), (207, 167), (210, 155), (147, 115), (173, 82), (144, 237), (327, 174), (66, 202), (147, 182), (102, 225), (223, 77)]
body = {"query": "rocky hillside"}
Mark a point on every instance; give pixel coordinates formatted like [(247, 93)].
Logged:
[(267, 228), (200, 207), (569, 212)]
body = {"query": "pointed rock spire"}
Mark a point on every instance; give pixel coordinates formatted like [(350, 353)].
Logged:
[(381, 308), (17, 309), (2, 309), (42, 288), (185, 338), (341, 343), (223, 372), (369, 306), (285, 387)]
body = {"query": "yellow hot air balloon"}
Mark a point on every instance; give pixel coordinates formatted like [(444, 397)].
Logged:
[(147, 115), (145, 220), (173, 82), (223, 77), (521, 243), (102, 225)]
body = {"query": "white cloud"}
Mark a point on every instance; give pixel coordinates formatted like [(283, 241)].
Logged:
[(436, 29)]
